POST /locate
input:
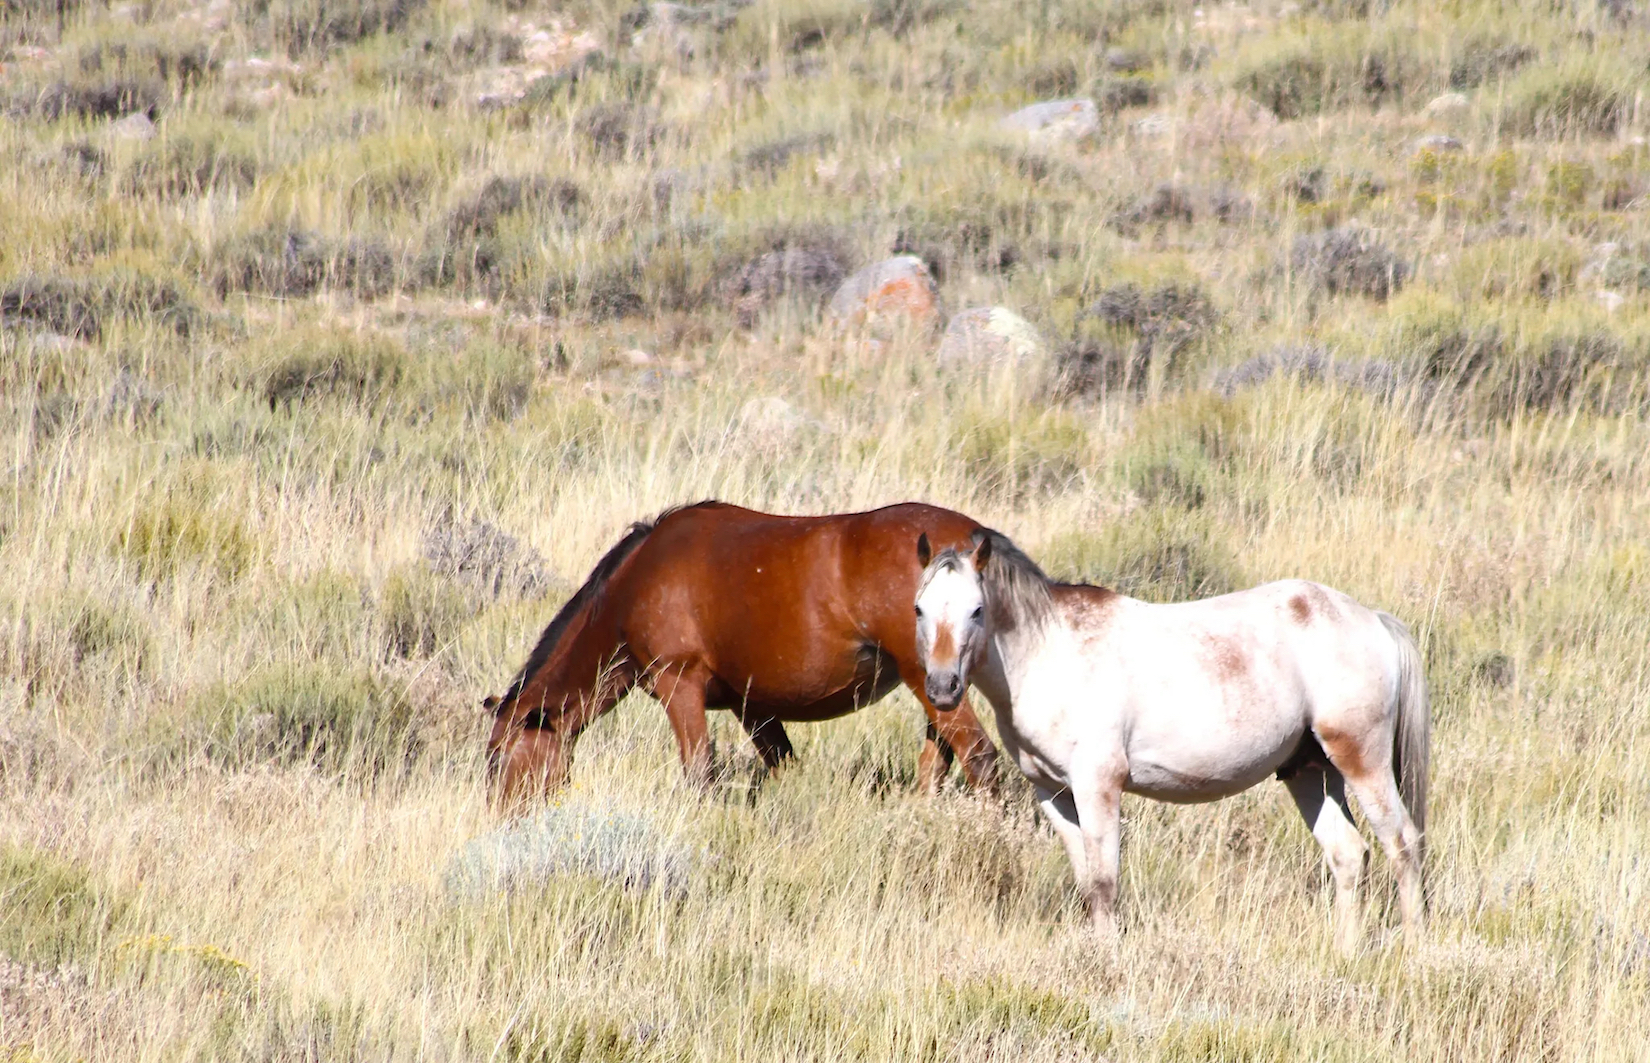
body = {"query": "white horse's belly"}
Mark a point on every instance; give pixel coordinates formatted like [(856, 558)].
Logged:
[(1201, 742), (1177, 776)]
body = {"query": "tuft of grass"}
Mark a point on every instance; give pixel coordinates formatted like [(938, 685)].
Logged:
[(53, 911), (1574, 99), (292, 262), (338, 719), (350, 368)]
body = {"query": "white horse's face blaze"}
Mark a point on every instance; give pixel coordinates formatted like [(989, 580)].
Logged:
[(951, 628)]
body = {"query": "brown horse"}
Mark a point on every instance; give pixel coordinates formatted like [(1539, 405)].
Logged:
[(713, 606)]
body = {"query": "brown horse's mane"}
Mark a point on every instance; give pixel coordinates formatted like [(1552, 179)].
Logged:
[(1011, 577), (584, 597)]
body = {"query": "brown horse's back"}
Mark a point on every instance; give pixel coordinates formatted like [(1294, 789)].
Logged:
[(806, 617)]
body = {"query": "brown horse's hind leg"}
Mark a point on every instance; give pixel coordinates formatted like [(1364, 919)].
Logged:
[(768, 736), (682, 692)]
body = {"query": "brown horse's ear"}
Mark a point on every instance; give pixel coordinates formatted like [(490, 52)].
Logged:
[(925, 552), (490, 703), (982, 551)]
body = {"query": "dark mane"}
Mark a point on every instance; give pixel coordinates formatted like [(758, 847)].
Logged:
[(583, 598)]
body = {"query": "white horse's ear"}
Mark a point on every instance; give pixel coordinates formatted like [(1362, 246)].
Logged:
[(982, 552), (925, 553)]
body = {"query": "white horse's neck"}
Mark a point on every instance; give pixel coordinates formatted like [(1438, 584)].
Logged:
[(1014, 646)]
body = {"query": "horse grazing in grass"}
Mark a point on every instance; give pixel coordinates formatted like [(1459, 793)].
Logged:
[(1097, 694), (714, 606)]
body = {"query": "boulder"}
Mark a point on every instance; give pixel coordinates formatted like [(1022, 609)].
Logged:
[(135, 126), (893, 289), (771, 420), (991, 335), (1055, 120), (1448, 105)]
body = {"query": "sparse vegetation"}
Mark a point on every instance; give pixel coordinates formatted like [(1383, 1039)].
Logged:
[(337, 341)]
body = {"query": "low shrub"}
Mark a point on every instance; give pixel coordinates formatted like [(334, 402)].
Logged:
[(82, 305), (52, 912), (342, 366), (316, 713), (1558, 101), (1348, 260), (293, 262)]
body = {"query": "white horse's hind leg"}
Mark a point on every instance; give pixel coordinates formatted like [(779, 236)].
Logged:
[(1320, 795), (1377, 795)]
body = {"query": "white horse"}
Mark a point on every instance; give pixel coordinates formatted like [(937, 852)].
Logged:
[(1097, 694)]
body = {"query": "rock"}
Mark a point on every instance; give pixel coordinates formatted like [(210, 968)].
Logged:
[(1153, 126), (1437, 142), (1449, 105), (1611, 301), (666, 29), (989, 336), (770, 419), (558, 47), (898, 287), (261, 70), (1227, 119), (1055, 120), (257, 729), (135, 126)]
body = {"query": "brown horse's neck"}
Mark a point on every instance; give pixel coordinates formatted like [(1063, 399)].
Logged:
[(578, 669)]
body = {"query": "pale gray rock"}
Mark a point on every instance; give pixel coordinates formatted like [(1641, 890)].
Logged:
[(135, 126), (1055, 120), (990, 335)]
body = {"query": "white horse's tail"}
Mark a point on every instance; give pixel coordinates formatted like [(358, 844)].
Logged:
[(1412, 738)]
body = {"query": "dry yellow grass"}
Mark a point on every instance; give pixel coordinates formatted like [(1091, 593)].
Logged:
[(239, 742)]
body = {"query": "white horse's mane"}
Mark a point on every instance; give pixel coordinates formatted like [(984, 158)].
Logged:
[(1013, 583)]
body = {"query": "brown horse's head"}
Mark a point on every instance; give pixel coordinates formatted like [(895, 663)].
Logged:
[(528, 754), (951, 620), (571, 677)]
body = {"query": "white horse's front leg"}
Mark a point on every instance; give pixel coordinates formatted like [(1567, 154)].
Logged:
[(1062, 816), (1100, 814)]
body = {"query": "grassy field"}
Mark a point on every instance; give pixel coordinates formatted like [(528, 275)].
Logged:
[(339, 340)]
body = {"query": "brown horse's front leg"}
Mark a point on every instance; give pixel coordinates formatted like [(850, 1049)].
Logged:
[(681, 689), (961, 729), (952, 732)]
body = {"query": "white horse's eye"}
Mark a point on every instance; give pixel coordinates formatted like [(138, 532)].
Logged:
[(919, 612), (978, 613)]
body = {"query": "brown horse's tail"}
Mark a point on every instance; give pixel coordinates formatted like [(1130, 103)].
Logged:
[(1412, 738)]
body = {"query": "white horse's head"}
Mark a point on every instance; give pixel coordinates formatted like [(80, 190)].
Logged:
[(951, 617)]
